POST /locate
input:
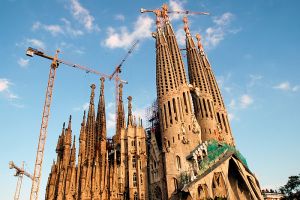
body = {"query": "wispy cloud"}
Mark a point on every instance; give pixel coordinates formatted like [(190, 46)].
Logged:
[(36, 43), (176, 6), (245, 101), (124, 38), (254, 78), (70, 30), (242, 102), (5, 89), (111, 121), (216, 33), (53, 29), (23, 62), (120, 17), (83, 16), (180, 36), (286, 86), (84, 106), (56, 29)]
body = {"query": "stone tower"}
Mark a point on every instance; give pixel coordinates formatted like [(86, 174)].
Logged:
[(202, 97), (219, 106), (180, 133), (202, 161)]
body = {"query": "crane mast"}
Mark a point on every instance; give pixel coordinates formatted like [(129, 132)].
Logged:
[(20, 172), (43, 130), (46, 112)]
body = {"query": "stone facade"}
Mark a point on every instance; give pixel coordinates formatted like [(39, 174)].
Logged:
[(188, 153)]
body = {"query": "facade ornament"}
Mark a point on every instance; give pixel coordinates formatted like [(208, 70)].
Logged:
[(195, 126), (182, 129)]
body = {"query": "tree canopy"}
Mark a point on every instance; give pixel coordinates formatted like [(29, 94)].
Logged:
[(291, 189)]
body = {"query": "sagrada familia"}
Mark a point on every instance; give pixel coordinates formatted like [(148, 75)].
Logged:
[(188, 153)]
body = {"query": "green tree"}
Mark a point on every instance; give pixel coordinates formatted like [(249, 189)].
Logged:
[(291, 189)]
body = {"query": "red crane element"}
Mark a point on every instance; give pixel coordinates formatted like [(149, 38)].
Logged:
[(115, 75), (46, 112), (20, 172)]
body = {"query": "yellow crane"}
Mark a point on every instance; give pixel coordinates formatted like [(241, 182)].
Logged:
[(20, 172), (46, 111)]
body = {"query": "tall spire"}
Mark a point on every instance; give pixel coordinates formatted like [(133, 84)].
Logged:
[(101, 118), (68, 136), (90, 126), (130, 117), (174, 49), (73, 154), (165, 76), (202, 98), (82, 135), (219, 106), (121, 113)]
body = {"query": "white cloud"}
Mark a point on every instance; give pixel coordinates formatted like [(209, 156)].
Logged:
[(231, 116), (254, 78), (111, 121), (232, 104), (70, 30), (216, 33), (245, 101), (23, 62), (55, 29), (4, 84), (286, 86), (175, 5), (36, 43), (83, 16), (124, 39), (180, 36), (120, 17), (223, 20), (84, 106), (5, 89)]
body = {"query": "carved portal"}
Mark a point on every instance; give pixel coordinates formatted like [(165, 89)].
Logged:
[(218, 186), (203, 192)]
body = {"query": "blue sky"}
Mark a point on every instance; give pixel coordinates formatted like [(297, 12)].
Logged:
[(253, 47)]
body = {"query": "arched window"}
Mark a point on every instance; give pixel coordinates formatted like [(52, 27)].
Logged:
[(134, 180), (178, 163), (135, 197), (175, 184)]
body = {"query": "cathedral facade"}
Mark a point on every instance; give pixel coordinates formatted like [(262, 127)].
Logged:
[(188, 153)]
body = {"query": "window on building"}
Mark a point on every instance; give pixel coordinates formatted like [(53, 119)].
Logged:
[(135, 197), (178, 163), (141, 179), (133, 161), (175, 184), (134, 180)]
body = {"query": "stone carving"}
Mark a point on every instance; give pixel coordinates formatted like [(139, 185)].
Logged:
[(195, 126)]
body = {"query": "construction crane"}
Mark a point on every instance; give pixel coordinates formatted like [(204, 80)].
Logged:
[(164, 11), (116, 74), (20, 172), (46, 111)]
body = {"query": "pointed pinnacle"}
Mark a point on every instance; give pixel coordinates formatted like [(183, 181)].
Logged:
[(186, 26), (198, 37), (70, 122)]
